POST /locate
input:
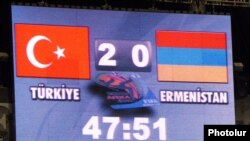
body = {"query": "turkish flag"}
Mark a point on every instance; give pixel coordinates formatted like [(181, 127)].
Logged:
[(52, 51)]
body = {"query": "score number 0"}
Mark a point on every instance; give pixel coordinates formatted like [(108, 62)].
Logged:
[(123, 55)]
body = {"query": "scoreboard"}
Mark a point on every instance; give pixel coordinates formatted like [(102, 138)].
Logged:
[(116, 75)]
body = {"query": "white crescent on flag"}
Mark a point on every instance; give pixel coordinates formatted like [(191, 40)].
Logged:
[(30, 51)]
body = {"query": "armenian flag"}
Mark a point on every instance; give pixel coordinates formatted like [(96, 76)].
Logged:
[(191, 56)]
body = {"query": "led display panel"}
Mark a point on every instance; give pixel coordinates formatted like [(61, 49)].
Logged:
[(116, 75)]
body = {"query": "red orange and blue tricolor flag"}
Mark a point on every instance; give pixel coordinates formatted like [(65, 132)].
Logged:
[(192, 56)]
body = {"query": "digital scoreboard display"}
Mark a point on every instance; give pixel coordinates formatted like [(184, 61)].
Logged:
[(118, 75)]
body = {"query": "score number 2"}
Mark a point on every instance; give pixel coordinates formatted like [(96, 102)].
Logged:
[(123, 55)]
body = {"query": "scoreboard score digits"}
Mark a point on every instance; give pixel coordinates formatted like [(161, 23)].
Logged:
[(134, 76), (123, 55)]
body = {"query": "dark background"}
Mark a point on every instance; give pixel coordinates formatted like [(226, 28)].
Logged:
[(5, 41)]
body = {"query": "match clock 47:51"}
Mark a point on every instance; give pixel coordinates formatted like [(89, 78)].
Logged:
[(142, 128)]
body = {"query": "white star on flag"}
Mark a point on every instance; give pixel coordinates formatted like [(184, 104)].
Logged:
[(59, 52)]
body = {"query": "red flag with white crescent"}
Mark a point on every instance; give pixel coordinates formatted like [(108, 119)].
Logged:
[(52, 51)]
